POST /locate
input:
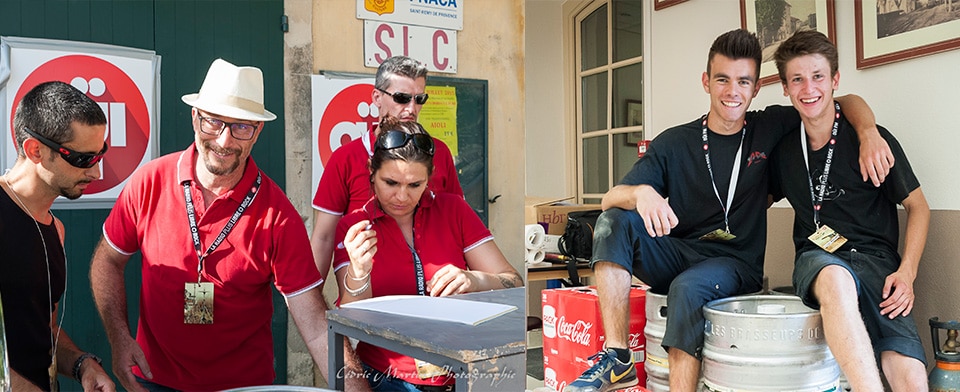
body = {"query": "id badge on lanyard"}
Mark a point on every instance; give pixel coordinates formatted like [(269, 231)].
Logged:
[(198, 297)]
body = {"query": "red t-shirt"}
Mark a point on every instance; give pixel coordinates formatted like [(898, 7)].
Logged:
[(345, 183), (268, 244), (445, 228)]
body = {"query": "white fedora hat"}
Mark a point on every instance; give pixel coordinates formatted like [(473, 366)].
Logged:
[(231, 91)]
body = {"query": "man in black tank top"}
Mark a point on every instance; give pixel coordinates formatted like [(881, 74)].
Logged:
[(59, 133)]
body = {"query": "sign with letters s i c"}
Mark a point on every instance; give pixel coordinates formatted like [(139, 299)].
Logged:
[(436, 48)]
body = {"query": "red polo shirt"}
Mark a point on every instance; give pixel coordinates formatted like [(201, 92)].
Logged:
[(269, 244), (444, 229), (345, 183)]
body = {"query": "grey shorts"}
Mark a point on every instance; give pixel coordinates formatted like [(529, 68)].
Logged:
[(869, 272)]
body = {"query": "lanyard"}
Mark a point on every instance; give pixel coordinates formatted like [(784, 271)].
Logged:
[(734, 175), (195, 232), (418, 268), (817, 197)]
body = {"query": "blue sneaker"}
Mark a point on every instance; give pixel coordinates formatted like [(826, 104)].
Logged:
[(606, 374)]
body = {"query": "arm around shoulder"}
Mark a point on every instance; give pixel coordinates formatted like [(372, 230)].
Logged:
[(876, 158)]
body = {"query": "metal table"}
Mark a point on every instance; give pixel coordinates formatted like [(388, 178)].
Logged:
[(485, 357)]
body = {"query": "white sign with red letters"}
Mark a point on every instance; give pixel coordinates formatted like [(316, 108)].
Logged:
[(436, 48), (123, 81)]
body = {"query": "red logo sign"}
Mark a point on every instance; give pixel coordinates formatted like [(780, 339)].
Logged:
[(128, 120), (347, 117)]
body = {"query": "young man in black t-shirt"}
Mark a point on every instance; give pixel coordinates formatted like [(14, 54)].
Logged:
[(59, 133), (846, 232)]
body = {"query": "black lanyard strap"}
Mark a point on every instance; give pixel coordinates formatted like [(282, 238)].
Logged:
[(418, 269), (195, 232), (817, 197)]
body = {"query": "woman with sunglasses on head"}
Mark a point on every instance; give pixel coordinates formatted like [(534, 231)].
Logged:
[(408, 240)]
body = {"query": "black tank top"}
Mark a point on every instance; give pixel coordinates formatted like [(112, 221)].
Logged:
[(24, 289)]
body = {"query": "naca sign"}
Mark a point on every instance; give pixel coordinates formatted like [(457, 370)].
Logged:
[(122, 81)]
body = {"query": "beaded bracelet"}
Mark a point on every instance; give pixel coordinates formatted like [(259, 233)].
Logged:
[(79, 363)]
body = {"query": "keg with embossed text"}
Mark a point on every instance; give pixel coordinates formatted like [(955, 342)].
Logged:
[(766, 343), (656, 364)]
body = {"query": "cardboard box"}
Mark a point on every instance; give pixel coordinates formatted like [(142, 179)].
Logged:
[(552, 213), (573, 331)]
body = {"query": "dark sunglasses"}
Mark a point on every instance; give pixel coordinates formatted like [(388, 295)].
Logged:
[(82, 160), (404, 98), (397, 139)]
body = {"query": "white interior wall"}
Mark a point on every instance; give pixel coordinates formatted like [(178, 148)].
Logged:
[(546, 150)]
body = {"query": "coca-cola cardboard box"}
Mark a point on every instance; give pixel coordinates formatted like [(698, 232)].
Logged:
[(573, 331)]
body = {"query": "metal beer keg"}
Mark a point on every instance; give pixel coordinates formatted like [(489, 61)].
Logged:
[(766, 343), (656, 364)]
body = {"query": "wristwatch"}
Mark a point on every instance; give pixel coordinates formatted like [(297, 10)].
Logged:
[(79, 363)]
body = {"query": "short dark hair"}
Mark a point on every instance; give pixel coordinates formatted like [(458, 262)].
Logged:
[(737, 44), (803, 43), (50, 108), (409, 152), (400, 66)]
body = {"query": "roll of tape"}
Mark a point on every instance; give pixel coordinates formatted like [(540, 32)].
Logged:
[(534, 256), (534, 236)]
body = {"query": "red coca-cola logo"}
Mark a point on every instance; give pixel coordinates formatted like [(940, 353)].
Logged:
[(128, 120), (577, 332), (347, 117), (634, 343)]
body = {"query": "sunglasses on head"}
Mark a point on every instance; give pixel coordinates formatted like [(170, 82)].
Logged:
[(397, 139), (404, 98), (82, 160)]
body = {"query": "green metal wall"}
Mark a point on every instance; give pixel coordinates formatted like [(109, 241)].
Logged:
[(188, 35)]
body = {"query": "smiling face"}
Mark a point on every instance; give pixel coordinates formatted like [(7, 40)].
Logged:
[(732, 85), (810, 86), (223, 154), (398, 185)]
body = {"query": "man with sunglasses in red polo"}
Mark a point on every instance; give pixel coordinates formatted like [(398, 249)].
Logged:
[(399, 92), (59, 133), (214, 233)]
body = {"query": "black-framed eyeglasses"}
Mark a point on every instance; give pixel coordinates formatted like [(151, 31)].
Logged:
[(397, 139), (82, 160), (404, 98), (213, 127)]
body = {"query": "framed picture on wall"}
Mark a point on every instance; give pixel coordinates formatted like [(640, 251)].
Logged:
[(774, 22), (634, 113), (661, 4), (889, 31)]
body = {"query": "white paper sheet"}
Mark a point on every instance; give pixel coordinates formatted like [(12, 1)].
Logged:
[(434, 308)]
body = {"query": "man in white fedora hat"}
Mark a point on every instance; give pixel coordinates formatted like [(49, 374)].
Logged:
[(214, 233)]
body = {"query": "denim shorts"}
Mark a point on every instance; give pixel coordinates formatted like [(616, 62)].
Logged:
[(869, 271), (671, 267)]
